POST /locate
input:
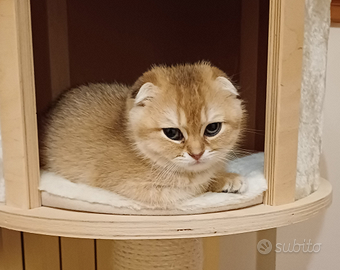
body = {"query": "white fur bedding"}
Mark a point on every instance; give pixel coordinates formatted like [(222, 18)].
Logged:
[(61, 193)]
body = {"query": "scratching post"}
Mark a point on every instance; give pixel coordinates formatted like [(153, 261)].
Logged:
[(317, 20), (173, 254)]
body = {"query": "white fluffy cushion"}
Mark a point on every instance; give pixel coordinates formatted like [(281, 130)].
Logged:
[(61, 193)]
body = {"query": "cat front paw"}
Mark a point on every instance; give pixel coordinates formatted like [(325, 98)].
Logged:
[(234, 184)]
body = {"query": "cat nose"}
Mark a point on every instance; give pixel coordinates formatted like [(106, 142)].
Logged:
[(196, 156)]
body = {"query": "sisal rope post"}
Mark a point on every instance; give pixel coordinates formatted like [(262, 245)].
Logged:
[(173, 254)]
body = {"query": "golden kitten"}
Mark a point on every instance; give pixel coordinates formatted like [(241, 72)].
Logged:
[(160, 142)]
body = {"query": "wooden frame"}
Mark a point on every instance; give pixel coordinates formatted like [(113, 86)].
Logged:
[(20, 137), (17, 108)]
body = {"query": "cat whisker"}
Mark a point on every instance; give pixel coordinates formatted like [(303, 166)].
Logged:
[(253, 132), (164, 173), (244, 152), (258, 131), (235, 153)]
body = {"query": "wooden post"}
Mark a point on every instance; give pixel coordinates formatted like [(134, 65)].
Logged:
[(286, 28), (17, 106), (248, 64), (10, 250), (77, 254), (41, 252), (58, 46), (266, 244), (104, 254), (285, 44), (211, 249)]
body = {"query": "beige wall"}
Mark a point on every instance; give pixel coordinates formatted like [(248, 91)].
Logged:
[(324, 228), (238, 252)]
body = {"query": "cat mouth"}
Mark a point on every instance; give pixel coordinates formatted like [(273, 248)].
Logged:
[(198, 166), (198, 163)]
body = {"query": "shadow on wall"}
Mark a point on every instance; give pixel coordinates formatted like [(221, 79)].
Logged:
[(306, 242), (324, 167)]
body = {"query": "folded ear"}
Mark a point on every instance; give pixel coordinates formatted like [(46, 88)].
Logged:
[(225, 84), (146, 92)]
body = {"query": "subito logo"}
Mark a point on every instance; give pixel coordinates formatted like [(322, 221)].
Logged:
[(264, 246)]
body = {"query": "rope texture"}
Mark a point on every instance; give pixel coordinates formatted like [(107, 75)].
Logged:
[(173, 254)]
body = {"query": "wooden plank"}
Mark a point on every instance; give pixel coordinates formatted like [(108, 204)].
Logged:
[(58, 46), (17, 106), (253, 61), (51, 55), (261, 91), (104, 251), (266, 255), (286, 25), (77, 254), (41, 252), (211, 249), (248, 65), (41, 56), (10, 250)]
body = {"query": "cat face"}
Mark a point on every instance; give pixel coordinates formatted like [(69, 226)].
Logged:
[(185, 117)]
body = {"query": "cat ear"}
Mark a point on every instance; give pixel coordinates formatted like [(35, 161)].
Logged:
[(225, 84), (146, 92)]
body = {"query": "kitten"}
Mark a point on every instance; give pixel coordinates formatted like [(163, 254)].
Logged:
[(160, 142)]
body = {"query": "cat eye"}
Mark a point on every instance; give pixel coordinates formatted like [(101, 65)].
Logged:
[(173, 133), (212, 129)]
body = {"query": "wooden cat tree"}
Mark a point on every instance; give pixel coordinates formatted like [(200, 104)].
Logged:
[(36, 237)]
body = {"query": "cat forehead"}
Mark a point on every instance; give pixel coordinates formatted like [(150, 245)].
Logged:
[(191, 117), (199, 88), (194, 103)]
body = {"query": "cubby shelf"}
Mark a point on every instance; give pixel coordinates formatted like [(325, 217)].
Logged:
[(52, 45)]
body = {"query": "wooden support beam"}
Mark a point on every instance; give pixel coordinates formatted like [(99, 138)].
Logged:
[(266, 255), (77, 254), (41, 252), (10, 250), (17, 106), (286, 28)]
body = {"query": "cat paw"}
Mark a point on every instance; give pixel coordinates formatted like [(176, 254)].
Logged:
[(235, 184)]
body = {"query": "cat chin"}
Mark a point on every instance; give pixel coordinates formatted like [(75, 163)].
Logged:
[(186, 167), (196, 167)]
